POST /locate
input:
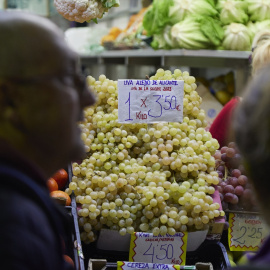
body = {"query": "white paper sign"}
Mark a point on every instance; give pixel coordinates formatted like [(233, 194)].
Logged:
[(246, 232), (149, 101), (168, 249)]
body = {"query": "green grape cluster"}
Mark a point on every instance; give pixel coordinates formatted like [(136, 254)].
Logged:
[(153, 178)]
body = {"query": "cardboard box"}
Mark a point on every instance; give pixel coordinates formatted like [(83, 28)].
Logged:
[(210, 104)]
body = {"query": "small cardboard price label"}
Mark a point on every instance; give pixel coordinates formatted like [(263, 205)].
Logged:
[(168, 249), (149, 101), (246, 232)]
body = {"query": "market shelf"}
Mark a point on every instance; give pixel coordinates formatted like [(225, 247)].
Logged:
[(182, 57)]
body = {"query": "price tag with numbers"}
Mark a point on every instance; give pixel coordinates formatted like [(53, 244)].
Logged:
[(246, 232), (168, 249), (121, 265), (149, 101)]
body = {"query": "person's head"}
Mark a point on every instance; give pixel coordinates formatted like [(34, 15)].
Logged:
[(252, 134), (42, 95), (260, 51)]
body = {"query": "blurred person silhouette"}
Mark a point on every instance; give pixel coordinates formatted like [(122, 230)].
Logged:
[(252, 135), (42, 97), (260, 56)]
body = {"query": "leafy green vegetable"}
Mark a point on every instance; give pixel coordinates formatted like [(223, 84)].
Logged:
[(256, 27), (164, 40), (259, 10), (232, 11), (198, 33), (236, 37), (157, 17), (183, 8), (212, 29)]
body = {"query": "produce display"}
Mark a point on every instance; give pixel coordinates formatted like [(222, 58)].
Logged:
[(130, 37), (157, 178), (206, 24), (235, 191), (84, 10)]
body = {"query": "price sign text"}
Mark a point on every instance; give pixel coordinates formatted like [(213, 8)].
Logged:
[(246, 232), (167, 249), (147, 101)]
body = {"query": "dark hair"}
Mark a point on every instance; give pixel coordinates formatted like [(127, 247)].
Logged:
[(252, 134)]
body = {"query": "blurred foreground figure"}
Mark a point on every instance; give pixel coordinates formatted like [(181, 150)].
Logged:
[(252, 132), (42, 96), (259, 58)]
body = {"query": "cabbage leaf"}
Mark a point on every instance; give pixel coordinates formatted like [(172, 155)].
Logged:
[(198, 33), (157, 17), (259, 10), (183, 8), (232, 11)]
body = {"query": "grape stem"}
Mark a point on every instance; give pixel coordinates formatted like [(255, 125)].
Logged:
[(226, 173)]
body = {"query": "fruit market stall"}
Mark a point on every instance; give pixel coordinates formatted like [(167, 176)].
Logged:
[(153, 178)]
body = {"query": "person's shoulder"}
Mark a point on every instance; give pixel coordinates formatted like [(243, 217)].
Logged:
[(19, 210), (27, 237)]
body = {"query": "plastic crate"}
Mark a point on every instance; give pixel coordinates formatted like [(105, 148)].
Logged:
[(209, 252)]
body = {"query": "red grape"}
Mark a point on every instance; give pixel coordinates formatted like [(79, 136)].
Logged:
[(220, 190), (217, 155), (223, 149), (220, 174), (232, 145), (239, 190), (228, 197), (228, 189), (221, 169), (230, 152), (233, 181), (223, 184), (236, 173), (224, 157), (234, 199), (242, 180)]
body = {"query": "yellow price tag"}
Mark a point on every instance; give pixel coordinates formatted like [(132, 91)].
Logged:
[(169, 249), (246, 232)]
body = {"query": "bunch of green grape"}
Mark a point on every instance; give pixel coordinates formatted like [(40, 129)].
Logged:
[(152, 178)]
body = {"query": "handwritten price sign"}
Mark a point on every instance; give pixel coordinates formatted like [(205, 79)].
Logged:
[(141, 265), (147, 101), (246, 232), (144, 247)]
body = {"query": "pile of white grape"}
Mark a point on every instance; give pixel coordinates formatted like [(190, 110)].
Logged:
[(152, 178)]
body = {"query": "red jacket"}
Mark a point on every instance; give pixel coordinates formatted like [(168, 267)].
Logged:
[(220, 128)]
